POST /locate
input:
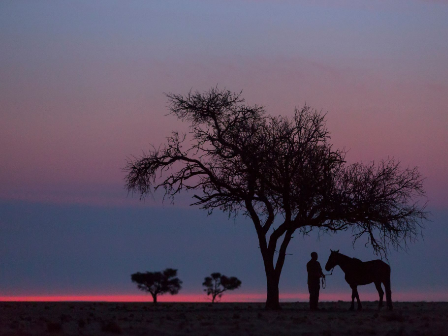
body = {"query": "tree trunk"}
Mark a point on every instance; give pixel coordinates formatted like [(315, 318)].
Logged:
[(272, 301), (273, 273), (154, 297), (272, 280)]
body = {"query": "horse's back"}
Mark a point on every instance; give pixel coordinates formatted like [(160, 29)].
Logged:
[(379, 268), (378, 264), (363, 273)]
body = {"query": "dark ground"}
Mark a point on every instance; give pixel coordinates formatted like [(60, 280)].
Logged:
[(96, 318)]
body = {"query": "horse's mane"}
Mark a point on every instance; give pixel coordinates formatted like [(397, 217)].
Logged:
[(345, 256)]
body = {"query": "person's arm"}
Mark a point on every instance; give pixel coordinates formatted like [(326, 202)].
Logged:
[(321, 275)]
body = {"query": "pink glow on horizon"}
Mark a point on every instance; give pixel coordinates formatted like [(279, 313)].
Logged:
[(242, 297)]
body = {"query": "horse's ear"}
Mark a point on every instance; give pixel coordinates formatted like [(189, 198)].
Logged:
[(337, 251), (331, 251)]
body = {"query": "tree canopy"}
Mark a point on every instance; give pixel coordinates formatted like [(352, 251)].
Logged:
[(158, 283), (240, 160)]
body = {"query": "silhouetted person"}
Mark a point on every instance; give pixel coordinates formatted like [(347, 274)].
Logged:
[(314, 275)]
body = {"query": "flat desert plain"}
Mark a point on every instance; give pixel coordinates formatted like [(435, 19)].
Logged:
[(103, 318)]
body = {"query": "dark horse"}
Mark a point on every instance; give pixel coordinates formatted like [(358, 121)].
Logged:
[(362, 273)]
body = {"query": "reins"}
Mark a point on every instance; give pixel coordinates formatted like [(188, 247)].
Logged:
[(324, 282)]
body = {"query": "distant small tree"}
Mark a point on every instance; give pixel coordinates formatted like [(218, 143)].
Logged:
[(158, 283), (217, 284)]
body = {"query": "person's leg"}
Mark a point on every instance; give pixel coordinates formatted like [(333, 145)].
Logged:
[(314, 295), (312, 291)]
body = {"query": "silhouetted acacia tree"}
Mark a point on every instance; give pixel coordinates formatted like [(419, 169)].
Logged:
[(158, 283), (240, 160), (216, 284)]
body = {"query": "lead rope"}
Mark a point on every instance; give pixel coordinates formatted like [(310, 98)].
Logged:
[(324, 282)]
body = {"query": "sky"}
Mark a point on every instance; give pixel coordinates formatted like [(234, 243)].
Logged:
[(82, 90)]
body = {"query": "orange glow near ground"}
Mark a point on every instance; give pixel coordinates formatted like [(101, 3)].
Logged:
[(245, 297)]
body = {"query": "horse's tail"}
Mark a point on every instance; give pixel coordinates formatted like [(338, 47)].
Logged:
[(387, 286), (388, 270), (386, 275)]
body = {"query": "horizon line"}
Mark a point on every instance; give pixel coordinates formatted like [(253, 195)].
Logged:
[(227, 298)]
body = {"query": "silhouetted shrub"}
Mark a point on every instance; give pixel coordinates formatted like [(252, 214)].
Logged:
[(158, 283), (217, 284)]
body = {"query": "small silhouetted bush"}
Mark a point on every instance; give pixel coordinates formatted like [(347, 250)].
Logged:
[(216, 284), (158, 283)]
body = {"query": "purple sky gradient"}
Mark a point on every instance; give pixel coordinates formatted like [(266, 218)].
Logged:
[(82, 88)]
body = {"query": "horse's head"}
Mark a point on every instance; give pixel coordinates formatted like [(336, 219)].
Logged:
[(332, 260)]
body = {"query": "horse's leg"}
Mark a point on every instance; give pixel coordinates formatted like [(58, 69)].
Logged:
[(357, 298), (388, 293), (380, 292), (352, 307)]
